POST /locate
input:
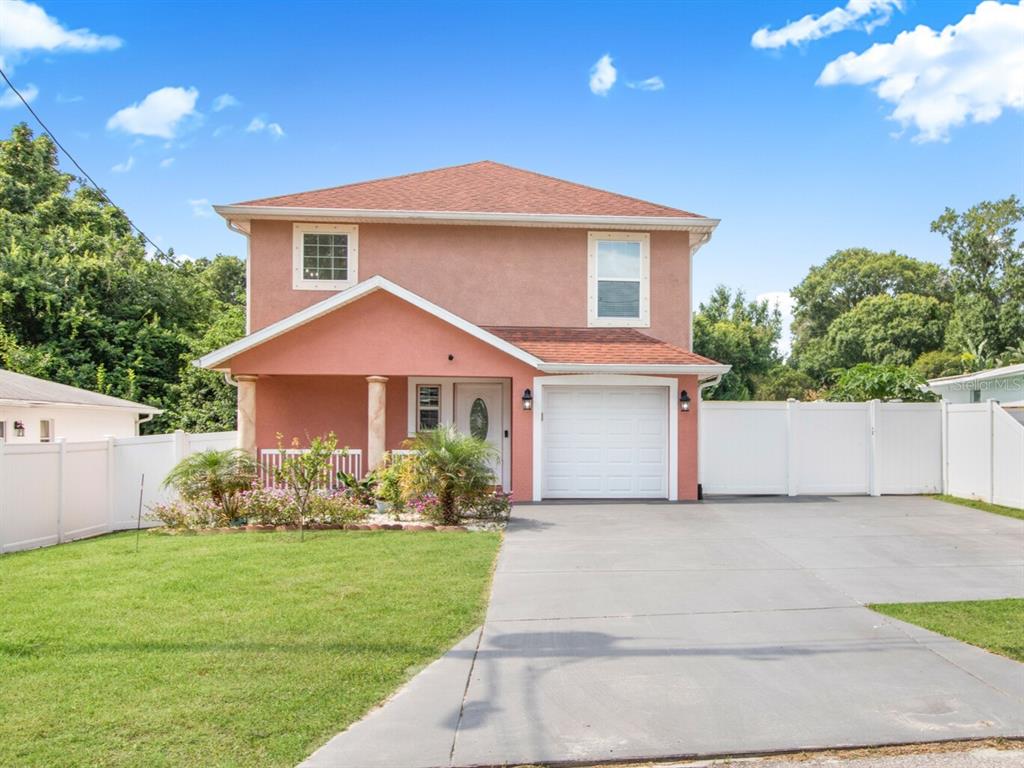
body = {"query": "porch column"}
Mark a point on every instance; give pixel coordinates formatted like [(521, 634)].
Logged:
[(247, 413), (376, 427)]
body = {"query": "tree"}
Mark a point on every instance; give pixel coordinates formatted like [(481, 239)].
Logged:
[(890, 330), (203, 400), (81, 302), (217, 476), (987, 270), (939, 362), (453, 466), (847, 278), (782, 383), (869, 381), (743, 334)]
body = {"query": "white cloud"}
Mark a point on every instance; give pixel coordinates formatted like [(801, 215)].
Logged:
[(201, 208), (62, 99), (258, 125), (158, 114), (124, 167), (27, 27), (859, 14), (973, 69), (167, 162), (784, 302), (9, 99), (224, 101), (650, 84), (602, 76)]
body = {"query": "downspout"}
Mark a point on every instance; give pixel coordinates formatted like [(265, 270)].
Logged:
[(232, 226), (141, 420)]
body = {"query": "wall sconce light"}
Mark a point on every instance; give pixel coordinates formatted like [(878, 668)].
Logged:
[(19, 429), (527, 400), (684, 401)]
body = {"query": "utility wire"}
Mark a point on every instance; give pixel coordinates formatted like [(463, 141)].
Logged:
[(81, 170)]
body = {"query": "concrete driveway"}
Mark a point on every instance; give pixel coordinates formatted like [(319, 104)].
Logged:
[(620, 631)]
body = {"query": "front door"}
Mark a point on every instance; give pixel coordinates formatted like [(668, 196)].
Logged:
[(478, 412)]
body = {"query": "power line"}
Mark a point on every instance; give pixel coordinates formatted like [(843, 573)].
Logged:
[(81, 170)]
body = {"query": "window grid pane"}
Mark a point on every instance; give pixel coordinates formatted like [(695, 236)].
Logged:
[(324, 256), (428, 406)]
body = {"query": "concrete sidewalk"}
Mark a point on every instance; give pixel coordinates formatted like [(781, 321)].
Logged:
[(633, 631)]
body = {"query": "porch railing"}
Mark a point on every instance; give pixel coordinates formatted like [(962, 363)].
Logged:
[(347, 460)]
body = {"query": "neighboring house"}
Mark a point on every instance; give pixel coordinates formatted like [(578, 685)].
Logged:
[(550, 318), (1005, 385), (39, 411)]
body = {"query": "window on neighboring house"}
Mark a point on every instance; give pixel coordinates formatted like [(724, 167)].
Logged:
[(618, 279), (325, 257), (3, 430), (46, 430), (428, 406), (975, 395)]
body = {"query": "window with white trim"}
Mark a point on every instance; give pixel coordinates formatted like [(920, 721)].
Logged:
[(618, 279), (428, 406), (325, 257), (46, 430)]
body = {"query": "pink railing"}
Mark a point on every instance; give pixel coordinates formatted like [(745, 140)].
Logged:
[(347, 460)]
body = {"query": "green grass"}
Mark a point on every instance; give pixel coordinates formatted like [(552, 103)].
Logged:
[(226, 650), (984, 506), (996, 625)]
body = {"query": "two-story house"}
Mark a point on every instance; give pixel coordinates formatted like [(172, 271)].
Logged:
[(550, 318)]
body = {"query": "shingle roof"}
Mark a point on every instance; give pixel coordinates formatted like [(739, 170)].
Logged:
[(29, 389), (482, 187), (597, 346)]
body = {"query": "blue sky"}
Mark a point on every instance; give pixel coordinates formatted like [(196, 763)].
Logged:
[(795, 169)]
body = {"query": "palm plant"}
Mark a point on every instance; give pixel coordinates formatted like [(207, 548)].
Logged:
[(454, 467), (215, 475)]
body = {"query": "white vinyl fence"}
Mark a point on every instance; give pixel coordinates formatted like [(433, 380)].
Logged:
[(820, 448), (56, 492), (984, 450)]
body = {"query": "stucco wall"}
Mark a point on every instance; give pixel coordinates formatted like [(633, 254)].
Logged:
[(488, 275), (72, 424)]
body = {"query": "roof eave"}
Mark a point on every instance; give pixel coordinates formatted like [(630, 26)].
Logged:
[(698, 224), (702, 370), (26, 403)]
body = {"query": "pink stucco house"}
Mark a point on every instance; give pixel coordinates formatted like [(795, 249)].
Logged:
[(549, 317)]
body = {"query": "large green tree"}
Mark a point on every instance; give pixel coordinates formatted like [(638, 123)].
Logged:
[(987, 270), (742, 333), (80, 300), (847, 278)]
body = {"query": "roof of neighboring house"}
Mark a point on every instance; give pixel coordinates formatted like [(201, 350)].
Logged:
[(596, 346), (554, 350), (17, 388), (991, 373), (482, 187)]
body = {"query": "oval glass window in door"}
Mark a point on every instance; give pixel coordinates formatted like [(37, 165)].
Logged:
[(478, 419)]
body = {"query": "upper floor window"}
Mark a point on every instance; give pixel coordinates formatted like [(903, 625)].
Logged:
[(619, 276), (325, 257)]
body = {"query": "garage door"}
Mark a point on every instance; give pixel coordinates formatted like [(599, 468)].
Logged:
[(605, 442)]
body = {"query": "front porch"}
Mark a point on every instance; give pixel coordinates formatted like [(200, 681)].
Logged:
[(372, 414)]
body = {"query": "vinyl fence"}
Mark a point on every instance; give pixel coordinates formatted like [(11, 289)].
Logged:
[(984, 453), (820, 448), (56, 492)]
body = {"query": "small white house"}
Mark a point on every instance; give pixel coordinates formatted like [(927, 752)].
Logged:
[(1004, 385), (38, 411)]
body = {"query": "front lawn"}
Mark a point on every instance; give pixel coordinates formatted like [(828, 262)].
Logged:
[(222, 650), (991, 624), (984, 506)]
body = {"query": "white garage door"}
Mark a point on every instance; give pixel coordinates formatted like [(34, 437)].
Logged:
[(605, 442)]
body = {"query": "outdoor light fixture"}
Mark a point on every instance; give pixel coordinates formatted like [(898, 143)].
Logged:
[(684, 401), (19, 429), (527, 399)]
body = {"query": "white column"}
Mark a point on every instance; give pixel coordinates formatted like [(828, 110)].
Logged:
[(376, 427), (247, 413)]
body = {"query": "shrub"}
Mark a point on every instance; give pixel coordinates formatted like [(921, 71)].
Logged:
[(306, 473), (869, 381), (213, 476), (453, 466)]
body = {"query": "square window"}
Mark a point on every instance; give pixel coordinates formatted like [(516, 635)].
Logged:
[(325, 256)]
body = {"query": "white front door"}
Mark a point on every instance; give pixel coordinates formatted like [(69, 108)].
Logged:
[(605, 442), (478, 412)]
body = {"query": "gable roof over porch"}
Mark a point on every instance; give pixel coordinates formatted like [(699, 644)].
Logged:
[(550, 350)]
